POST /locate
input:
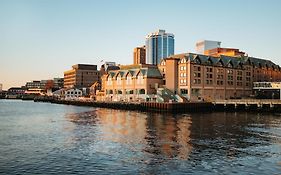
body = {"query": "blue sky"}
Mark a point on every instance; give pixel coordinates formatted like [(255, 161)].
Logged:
[(39, 39)]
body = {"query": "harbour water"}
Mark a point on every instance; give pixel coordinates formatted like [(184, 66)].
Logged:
[(44, 138)]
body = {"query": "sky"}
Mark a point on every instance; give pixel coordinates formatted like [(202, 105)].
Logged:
[(40, 39)]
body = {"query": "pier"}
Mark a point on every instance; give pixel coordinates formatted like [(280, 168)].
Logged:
[(255, 105), (140, 106), (269, 105)]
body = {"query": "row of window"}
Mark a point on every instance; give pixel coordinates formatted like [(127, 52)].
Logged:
[(137, 91), (74, 92), (129, 81)]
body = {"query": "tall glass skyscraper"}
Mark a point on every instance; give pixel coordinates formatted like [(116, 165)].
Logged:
[(159, 45)]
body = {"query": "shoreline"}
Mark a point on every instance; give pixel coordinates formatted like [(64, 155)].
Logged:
[(143, 106), (188, 107)]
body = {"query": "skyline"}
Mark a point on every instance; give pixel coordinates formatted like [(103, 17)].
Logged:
[(42, 39)]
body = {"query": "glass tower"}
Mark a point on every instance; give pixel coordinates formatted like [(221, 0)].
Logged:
[(159, 45)]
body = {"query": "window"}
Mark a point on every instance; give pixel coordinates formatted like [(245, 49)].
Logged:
[(139, 79), (119, 81), (109, 81), (184, 91), (129, 80)]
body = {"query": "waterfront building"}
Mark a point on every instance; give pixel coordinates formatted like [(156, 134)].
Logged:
[(202, 77), (216, 52), (72, 94), (35, 91), (139, 55), (267, 90), (1, 87), (15, 92), (81, 75), (58, 83), (159, 45), (33, 84), (131, 83), (204, 45)]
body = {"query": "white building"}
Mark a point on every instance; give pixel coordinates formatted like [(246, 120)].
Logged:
[(72, 94), (204, 45)]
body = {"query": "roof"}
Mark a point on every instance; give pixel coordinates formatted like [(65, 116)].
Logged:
[(149, 72), (225, 60)]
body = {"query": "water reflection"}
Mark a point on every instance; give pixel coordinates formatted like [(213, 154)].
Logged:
[(62, 139), (229, 134), (154, 134)]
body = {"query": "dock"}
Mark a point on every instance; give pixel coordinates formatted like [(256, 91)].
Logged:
[(137, 106), (269, 105), (254, 105)]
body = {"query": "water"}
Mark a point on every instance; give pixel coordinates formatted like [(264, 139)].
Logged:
[(42, 138)]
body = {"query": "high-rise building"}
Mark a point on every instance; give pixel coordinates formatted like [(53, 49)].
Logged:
[(204, 45), (139, 55), (1, 87), (81, 75), (159, 45)]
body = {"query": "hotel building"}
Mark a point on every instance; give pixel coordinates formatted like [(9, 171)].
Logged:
[(198, 77), (81, 75), (159, 45)]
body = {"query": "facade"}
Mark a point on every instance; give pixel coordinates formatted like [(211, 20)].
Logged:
[(204, 45), (201, 77), (216, 52), (139, 55), (159, 45), (81, 75), (16, 91), (137, 83), (33, 84), (267, 90), (72, 94), (58, 83)]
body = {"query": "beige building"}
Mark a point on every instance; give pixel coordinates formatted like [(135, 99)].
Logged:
[(201, 77), (139, 55), (131, 83), (81, 75)]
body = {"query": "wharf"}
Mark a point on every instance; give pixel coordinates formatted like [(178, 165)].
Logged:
[(267, 105), (141, 106), (254, 105)]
